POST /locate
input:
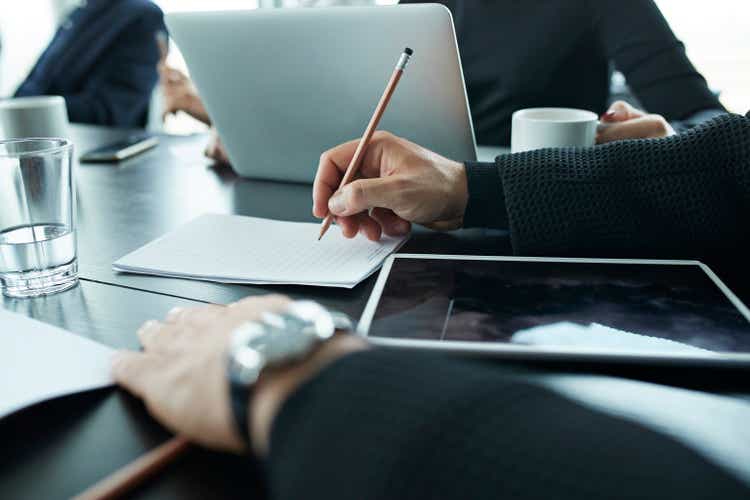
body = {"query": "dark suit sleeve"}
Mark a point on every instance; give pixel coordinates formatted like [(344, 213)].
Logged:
[(636, 37), (677, 197), (118, 90), (407, 425)]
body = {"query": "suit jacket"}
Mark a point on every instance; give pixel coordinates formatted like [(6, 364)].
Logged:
[(102, 60)]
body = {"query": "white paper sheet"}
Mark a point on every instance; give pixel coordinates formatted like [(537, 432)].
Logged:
[(236, 249), (39, 362)]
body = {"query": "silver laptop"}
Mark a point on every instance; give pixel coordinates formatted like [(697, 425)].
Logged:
[(284, 85)]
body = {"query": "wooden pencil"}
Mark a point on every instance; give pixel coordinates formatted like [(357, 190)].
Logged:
[(356, 160), (136, 472)]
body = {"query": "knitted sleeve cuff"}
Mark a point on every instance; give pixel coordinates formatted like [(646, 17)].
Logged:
[(486, 207)]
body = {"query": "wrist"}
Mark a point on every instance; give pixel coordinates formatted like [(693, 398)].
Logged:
[(459, 189), (277, 384)]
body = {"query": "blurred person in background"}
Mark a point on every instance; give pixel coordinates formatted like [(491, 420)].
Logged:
[(539, 53), (102, 60), (553, 53), (179, 93)]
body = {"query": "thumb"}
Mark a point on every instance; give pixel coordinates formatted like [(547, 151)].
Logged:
[(361, 195), (620, 111)]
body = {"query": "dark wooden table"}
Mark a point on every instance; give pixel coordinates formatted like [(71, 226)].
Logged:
[(58, 448)]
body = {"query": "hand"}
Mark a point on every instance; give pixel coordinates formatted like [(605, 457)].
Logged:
[(215, 149), (623, 121), (181, 374), (180, 94), (400, 183)]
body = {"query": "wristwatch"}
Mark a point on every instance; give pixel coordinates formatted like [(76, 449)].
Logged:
[(276, 339)]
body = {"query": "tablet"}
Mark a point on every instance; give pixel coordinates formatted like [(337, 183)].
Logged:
[(660, 311)]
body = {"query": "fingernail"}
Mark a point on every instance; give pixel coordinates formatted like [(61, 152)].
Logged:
[(336, 204), (145, 327), (174, 313), (609, 114)]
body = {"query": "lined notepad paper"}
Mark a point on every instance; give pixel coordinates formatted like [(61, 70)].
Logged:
[(237, 249)]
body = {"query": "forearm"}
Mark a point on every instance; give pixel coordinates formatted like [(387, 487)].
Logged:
[(637, 38), (697, 118), (402, 424), (677, 197), (29, 88)]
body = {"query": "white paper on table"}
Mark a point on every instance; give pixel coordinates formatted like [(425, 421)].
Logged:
[(237, 249), (40, 362)]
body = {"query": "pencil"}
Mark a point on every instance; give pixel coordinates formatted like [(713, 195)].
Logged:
[(133, 474), (356, 160)]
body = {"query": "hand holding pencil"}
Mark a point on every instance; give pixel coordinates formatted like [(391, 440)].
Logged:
[(356, 160), (398, 182)]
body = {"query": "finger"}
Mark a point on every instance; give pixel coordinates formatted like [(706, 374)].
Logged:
[(621, 111), (259, 303), (649, 126), (184, 314), (349, 226), (132, 370), (200, 316), (221, 154), (335, 161), (445, 225), (391, 224), (148, 334), (369, 227), (363, 194), (331, 168), (174, 315)]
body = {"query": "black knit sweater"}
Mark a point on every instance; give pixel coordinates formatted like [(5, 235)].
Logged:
[(388, 424), (685, 196)]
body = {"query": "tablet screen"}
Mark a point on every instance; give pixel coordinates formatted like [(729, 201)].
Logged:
[(633, 307)]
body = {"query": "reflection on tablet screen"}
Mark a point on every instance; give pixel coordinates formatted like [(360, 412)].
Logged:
[(641, 307)]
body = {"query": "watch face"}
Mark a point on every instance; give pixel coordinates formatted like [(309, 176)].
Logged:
[(278, 337), (319, 323), (245, 365)]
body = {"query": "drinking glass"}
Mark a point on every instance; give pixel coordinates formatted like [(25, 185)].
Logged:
[(37, 217)]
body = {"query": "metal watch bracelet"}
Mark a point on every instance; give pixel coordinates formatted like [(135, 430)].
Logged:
[(277, 338)]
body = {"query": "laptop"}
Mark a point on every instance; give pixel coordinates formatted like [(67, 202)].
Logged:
[(284, 85)]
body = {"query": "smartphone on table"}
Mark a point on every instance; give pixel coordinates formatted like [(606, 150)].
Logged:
[(121, 150)]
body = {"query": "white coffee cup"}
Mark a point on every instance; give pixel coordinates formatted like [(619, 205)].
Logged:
[(537, 128), (36, 116)]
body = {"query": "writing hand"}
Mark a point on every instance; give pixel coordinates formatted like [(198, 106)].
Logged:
[(400, 183)]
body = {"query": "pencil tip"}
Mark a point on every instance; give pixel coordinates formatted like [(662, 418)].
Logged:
[(408, 51)]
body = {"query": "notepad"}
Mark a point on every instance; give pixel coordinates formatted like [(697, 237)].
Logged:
[(39, 362), (237, 249)]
